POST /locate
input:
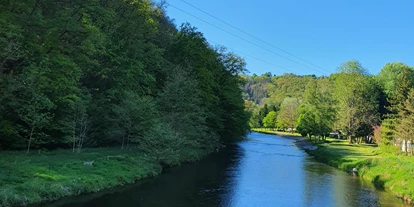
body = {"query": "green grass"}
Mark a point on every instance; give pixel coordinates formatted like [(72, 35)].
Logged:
[(47, 176), (384, 170), (270, 131)]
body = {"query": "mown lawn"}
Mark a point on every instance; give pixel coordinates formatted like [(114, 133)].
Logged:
[(345, 156), (46, 176), (269, 131)]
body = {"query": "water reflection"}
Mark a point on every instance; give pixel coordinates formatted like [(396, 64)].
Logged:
[(264, 171)]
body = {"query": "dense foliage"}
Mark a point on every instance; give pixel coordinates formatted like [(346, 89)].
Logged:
[(350, 103), (96, 73)]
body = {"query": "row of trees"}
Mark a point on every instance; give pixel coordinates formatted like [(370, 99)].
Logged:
[(93, 73), (350, 101), (397, 127)]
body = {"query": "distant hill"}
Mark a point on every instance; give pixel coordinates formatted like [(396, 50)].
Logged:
[(273, 89)]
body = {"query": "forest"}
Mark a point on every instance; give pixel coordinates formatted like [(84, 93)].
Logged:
[(350, 104), (78, 74)]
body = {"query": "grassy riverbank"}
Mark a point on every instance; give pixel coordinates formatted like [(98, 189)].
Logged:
[(384, 170), (270, 131), (47, 176)]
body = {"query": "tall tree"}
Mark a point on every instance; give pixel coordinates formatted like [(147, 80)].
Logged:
[(288, 113), (33, 106), (405, 126), (390, 74), (181, 108), (357, 101), (317, 114), (404, 83), (306, 123), (270, 120), (133, 109)]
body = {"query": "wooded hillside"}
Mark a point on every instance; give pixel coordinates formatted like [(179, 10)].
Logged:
[(96, 73)]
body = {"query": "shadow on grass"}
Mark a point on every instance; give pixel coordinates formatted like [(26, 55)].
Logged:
[(378, 183)]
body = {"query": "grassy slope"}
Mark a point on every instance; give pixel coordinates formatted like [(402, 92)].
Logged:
[(46, 176), (268, 131), (383, 170)]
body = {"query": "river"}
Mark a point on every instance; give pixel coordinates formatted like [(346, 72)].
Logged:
[(266, 170)]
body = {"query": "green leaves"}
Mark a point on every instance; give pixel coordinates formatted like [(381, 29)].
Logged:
[(317, 113), (288, 113), (110, 73), (356, 96), (270, 120), (390, 74)]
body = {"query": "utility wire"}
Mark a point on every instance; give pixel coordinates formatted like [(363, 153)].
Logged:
[(245, 39), (247, 55), (246, 33)]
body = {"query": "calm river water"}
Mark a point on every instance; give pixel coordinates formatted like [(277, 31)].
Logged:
[(267, 170)]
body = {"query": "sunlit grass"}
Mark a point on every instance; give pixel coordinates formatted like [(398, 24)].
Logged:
[(273, 131)]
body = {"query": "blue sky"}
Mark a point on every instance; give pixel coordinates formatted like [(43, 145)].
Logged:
[(325, 33)]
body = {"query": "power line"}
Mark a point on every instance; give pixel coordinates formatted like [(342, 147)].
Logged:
[(246, 33), (255, 57), (245, 39)]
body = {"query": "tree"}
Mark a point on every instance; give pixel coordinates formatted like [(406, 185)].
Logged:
[(357, 101), (396, 99), (288, 113), (317, 113), (254, 121), (306, 121), (270, 120), (182, 110), (163, 143), (81, 124), (390, 74), (405, 127), (262, 114), (33, 107), (134, 116)]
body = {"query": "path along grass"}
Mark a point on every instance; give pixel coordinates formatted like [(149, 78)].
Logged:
[(394, 172)]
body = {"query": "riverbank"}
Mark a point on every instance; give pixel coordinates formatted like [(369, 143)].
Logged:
[(388, 171), (48, 176), (301, 142)]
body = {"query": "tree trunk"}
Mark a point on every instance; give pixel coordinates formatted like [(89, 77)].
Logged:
[(406, 147), (30, 140), (80, 142), (123, 140), (127, 141), (350, 139), (74, 138)]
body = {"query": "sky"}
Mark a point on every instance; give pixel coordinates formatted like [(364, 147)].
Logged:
[(323, 33)]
